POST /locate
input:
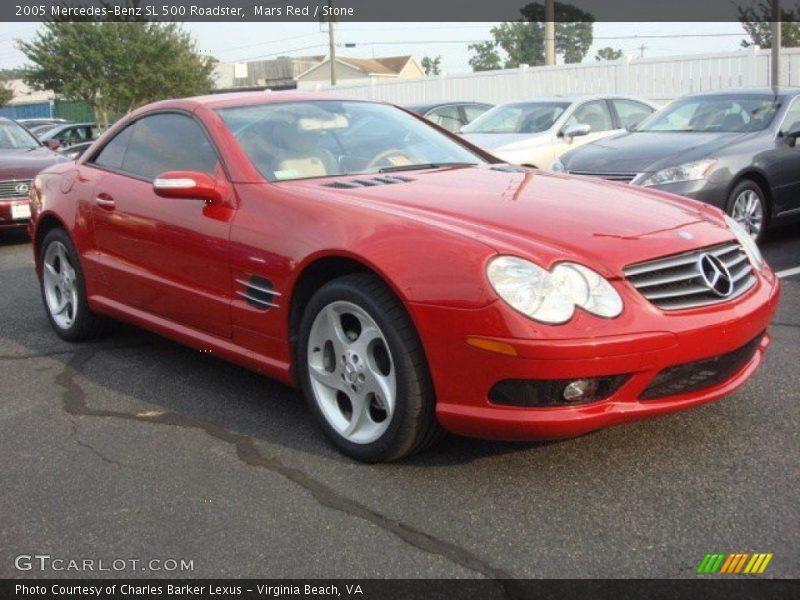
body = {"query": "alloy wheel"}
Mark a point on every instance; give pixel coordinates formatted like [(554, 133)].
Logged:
[(60, 285), (748, 211), (351, 371)]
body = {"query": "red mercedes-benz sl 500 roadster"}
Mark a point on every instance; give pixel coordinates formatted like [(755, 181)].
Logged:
[(408, 282)]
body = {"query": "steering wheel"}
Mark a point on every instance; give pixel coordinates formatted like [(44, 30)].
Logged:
[(386, 154)]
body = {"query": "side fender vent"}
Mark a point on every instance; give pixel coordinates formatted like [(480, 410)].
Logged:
[(258, 292)]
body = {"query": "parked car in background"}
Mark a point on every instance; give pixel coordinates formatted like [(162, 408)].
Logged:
[(451, 115), (30, 124), (735, 149), (536, 132), (404, 279), (75, 151), (22, 156), (69, 134)]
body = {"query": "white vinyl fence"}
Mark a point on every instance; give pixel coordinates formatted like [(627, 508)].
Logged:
[(657, 79)]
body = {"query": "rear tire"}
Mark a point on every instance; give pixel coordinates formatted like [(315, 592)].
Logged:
[(64, 291), (747, 205), (363, 371)]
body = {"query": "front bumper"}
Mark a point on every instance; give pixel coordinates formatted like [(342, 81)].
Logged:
[(8, 220), (702, 190), (646, 342)]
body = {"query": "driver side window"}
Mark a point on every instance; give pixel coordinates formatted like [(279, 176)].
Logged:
[(595, 114), (792, 116)]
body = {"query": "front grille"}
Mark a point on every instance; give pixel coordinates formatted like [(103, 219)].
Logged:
[(692, 376), (611, 176), (8, 188), (676, 282)]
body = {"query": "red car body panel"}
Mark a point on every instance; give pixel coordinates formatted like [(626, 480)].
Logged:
[(175, 266)]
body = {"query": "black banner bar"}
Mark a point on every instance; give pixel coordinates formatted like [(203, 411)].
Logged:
[(389, 10), (733, 588)]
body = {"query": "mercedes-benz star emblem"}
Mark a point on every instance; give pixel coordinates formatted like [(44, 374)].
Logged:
[(715, 275), (22, 188)]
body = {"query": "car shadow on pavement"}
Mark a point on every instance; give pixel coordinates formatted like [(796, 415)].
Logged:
[(14, 237)]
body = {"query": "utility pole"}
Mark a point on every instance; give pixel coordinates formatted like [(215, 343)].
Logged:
[(549, 32), (642, 48), (332, 44), (776, 44)]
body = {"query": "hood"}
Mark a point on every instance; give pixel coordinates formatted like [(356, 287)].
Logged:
[(26, 163), (507, 142), (543, 216), (645, 151)]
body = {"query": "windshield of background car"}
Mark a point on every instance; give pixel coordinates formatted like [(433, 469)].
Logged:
[(519, 117), (300, 140), (715, 114), (14, 137)]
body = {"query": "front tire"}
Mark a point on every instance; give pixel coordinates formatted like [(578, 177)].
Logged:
[(363, 371), (747, 206), (64, 290)]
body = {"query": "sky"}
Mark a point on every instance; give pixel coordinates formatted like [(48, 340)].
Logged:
[(240, 42)]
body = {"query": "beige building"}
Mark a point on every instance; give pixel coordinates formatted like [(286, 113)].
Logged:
[(348, 69)]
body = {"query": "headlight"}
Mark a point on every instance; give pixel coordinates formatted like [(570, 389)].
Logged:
[(686, 172), (558, 167), (552, 296), (747, 242)]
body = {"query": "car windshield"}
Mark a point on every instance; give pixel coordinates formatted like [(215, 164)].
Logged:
[(14, 137), (735, 114), (300, 140), (518, 117)]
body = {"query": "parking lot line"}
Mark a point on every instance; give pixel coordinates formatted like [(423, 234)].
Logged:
[(788, 272)]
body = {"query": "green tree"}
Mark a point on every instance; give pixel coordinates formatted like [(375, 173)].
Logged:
[(608, 53), (522, 42), (6, 94), (116, 66), (432, 65), (485, 57), (756, 22)]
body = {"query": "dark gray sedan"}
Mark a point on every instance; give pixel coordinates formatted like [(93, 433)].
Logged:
[(735, 149)]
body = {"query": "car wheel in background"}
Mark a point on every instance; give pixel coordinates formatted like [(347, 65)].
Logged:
[(747, 206), (363, 370), (64, 291)]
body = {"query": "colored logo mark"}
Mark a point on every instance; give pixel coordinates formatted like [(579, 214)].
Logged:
[(734, 563)]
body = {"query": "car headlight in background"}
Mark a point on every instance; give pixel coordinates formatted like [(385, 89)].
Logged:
[(552, 296), (558, 167), (691, 171), (747, 242)]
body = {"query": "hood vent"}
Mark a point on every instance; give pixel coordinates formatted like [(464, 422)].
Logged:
[(505, 168), (258, 292), (372, 181)]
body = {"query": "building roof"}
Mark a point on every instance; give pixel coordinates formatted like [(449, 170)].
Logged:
[(387, 65)]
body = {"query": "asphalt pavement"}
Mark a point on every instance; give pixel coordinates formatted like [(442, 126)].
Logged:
[(136, 448)]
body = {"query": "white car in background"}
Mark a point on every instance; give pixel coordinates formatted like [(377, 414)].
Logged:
[(536, 132)]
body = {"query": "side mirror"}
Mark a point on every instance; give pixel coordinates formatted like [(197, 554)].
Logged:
[(191, 185), (574, 131), (53, 144), (792, 134)]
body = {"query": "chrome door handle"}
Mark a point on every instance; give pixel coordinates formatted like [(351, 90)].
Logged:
[(104, 202)]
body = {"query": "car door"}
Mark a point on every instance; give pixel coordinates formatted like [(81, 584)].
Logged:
[(448, 117), (596, 114), (783, 164), (630, 112), (165, 256)]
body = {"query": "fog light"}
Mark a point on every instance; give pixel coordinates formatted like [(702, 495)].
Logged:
[(580, 389)]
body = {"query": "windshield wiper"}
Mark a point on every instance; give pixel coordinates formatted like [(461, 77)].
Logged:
[(440, 165)]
